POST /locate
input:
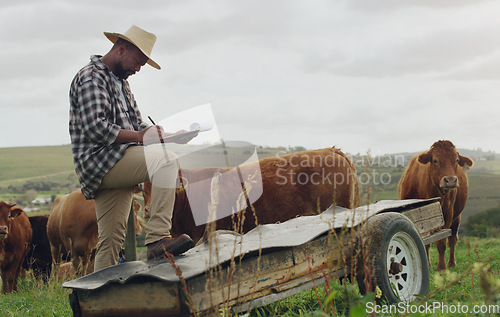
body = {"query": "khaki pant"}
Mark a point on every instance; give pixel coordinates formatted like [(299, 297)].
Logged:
[(114, 198)]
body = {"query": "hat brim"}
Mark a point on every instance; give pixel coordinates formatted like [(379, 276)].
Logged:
[(113, 37)]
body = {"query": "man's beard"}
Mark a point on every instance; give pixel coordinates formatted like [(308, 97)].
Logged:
[(121, 72)]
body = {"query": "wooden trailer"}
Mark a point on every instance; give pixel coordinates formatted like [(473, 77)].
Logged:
[(381, 245)]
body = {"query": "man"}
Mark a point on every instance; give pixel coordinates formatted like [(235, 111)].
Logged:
[(108, 136)]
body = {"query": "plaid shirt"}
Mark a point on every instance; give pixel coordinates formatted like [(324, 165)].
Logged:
[(97, 113)]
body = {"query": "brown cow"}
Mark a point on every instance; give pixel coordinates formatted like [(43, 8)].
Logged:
[(72, 229), (57, 247), (15, 236), (439, 172), (293, 185)]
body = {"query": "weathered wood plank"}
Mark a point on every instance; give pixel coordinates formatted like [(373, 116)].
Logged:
[(283, 291), (152, 298), (277, 271), (427, 218), (442, 234)]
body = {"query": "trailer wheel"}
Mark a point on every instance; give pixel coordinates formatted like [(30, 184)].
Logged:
[(393, 259)]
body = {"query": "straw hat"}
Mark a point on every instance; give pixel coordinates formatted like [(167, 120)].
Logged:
[(140, 38)]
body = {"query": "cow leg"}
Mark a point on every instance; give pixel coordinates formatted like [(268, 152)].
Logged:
[(77, 263), (83, 267), (81, 251), (452, 241), (441, 247), (56, 253), (17, 272), (8, 281), (5, 285)]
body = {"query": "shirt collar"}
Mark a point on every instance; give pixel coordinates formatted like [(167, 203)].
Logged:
[(96, 60)]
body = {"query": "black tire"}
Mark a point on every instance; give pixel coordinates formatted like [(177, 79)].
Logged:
[(393, 262)]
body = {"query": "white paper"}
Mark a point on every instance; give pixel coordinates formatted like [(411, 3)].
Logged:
[(201, 127)]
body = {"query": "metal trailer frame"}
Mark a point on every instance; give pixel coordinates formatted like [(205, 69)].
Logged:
[(242, 272)]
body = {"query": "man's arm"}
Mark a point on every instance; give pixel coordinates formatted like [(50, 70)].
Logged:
[(129, 136)]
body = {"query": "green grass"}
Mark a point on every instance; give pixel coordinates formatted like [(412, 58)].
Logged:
[(469, 289), (36, 299), (445, 287)]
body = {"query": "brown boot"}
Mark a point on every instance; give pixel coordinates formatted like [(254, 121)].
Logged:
[(175, 246)]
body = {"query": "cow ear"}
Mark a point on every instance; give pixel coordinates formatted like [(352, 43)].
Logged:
[(15, 211), (424, 158), (463, 160)]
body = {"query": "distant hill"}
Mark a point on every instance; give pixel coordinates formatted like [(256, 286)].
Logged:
[(20, 163), (477, 155)]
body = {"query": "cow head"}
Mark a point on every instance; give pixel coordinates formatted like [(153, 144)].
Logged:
[(7, 212), (444, 161)]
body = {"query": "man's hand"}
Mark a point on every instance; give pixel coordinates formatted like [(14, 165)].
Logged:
[(183, 139), (150, 136)]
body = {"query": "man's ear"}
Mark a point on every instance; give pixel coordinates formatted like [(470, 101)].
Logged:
[(424, 158), (121, 49), (465, 160)]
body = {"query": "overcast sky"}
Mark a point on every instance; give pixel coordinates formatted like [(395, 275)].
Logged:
[(381, 75)]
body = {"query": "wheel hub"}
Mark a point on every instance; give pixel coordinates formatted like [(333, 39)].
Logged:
[(395, 268)]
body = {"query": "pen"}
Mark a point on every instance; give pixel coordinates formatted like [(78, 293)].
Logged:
[(159, 132)]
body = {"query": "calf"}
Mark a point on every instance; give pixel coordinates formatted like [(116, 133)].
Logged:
[(15, 236), (439, 172)]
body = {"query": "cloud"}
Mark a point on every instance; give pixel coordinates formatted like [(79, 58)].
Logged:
[(387, 75), (395, 5), (437, 53), (480, 68)]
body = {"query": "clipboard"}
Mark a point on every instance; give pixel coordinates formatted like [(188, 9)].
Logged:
[(176, 137)]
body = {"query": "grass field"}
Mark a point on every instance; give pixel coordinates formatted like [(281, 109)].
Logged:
[(28, 162), (475, 281)]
